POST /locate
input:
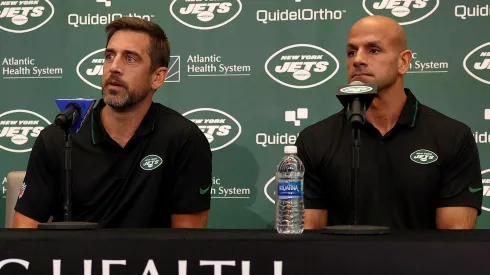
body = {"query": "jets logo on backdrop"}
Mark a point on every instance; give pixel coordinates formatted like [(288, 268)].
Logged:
[(91, 68), (301, 66), (107, 3), (270, 190), (477, 63), (486, 189), (205, 14), (405, 12), (220, 128), (24, 16), (19, 129)]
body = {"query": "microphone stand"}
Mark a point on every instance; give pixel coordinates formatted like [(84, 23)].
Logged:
[(356, 114), (67, 223), (355, 170)]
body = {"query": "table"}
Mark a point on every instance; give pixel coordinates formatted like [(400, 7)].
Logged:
[(244, 252)]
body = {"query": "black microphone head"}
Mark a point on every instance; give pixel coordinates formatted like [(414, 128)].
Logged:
[(60, 120), (68, 117), (357, 89)]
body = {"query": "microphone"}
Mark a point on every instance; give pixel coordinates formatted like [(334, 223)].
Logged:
[(72, 116), (356, 99), (73, 113)]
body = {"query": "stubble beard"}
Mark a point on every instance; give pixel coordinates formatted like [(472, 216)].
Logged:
[(122, 101)]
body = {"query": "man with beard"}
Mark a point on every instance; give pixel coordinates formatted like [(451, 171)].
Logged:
[(419, 169), (136, 163)]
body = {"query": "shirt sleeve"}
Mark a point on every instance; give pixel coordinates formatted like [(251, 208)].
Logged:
[(314, 190), (461, 179), (193, 174), (37, 196)]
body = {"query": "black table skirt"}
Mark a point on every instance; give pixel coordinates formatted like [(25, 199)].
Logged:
[(245, 252)]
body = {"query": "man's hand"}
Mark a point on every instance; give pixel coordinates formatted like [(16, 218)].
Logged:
[(21, 221), (195, 220), (456, 217), (315, 218)]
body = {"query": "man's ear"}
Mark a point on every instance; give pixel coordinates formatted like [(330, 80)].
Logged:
[(404, 60), (159, 77)]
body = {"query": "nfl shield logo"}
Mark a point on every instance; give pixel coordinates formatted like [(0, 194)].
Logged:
[(22, 190)]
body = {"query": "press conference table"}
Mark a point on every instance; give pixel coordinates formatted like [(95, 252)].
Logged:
[(251, 252)]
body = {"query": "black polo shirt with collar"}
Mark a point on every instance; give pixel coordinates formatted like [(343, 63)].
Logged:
[(164, 169), (426, 161)]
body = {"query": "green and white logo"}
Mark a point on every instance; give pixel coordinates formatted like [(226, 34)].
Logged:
[(220, 128), (301, 66), (405, 12), (486, 189), (423, 156), (270, 190), (205, 14), (477, 63), (91, 68), (151, 162), (19, 129), (24, 16), (356, 89)]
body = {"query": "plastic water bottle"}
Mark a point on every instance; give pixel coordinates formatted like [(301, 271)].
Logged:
[(289, 193)]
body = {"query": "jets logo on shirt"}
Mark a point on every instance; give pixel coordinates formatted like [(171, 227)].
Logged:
[(423, 156), (151, 162)]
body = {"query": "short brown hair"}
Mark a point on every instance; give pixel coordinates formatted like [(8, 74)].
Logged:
[(159, 49)]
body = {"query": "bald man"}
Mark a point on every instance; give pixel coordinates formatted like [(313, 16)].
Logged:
[(419, 169)]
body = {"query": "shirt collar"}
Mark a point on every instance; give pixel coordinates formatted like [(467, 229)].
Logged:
[(410, 110), (99, 134)]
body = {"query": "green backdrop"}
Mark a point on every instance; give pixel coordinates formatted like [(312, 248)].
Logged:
[(251, 73)]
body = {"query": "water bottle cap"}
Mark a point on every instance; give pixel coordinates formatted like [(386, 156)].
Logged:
[(290, 150)]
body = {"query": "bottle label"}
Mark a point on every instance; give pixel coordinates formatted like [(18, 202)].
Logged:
[(289, 190)]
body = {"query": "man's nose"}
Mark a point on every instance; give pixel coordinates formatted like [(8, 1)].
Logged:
[(116, 65), (360, 59)]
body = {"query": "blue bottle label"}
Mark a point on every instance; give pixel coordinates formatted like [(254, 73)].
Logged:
[(289, 190)]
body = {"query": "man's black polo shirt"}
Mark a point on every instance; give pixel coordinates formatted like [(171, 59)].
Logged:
[(426, 161), (164, 169)]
